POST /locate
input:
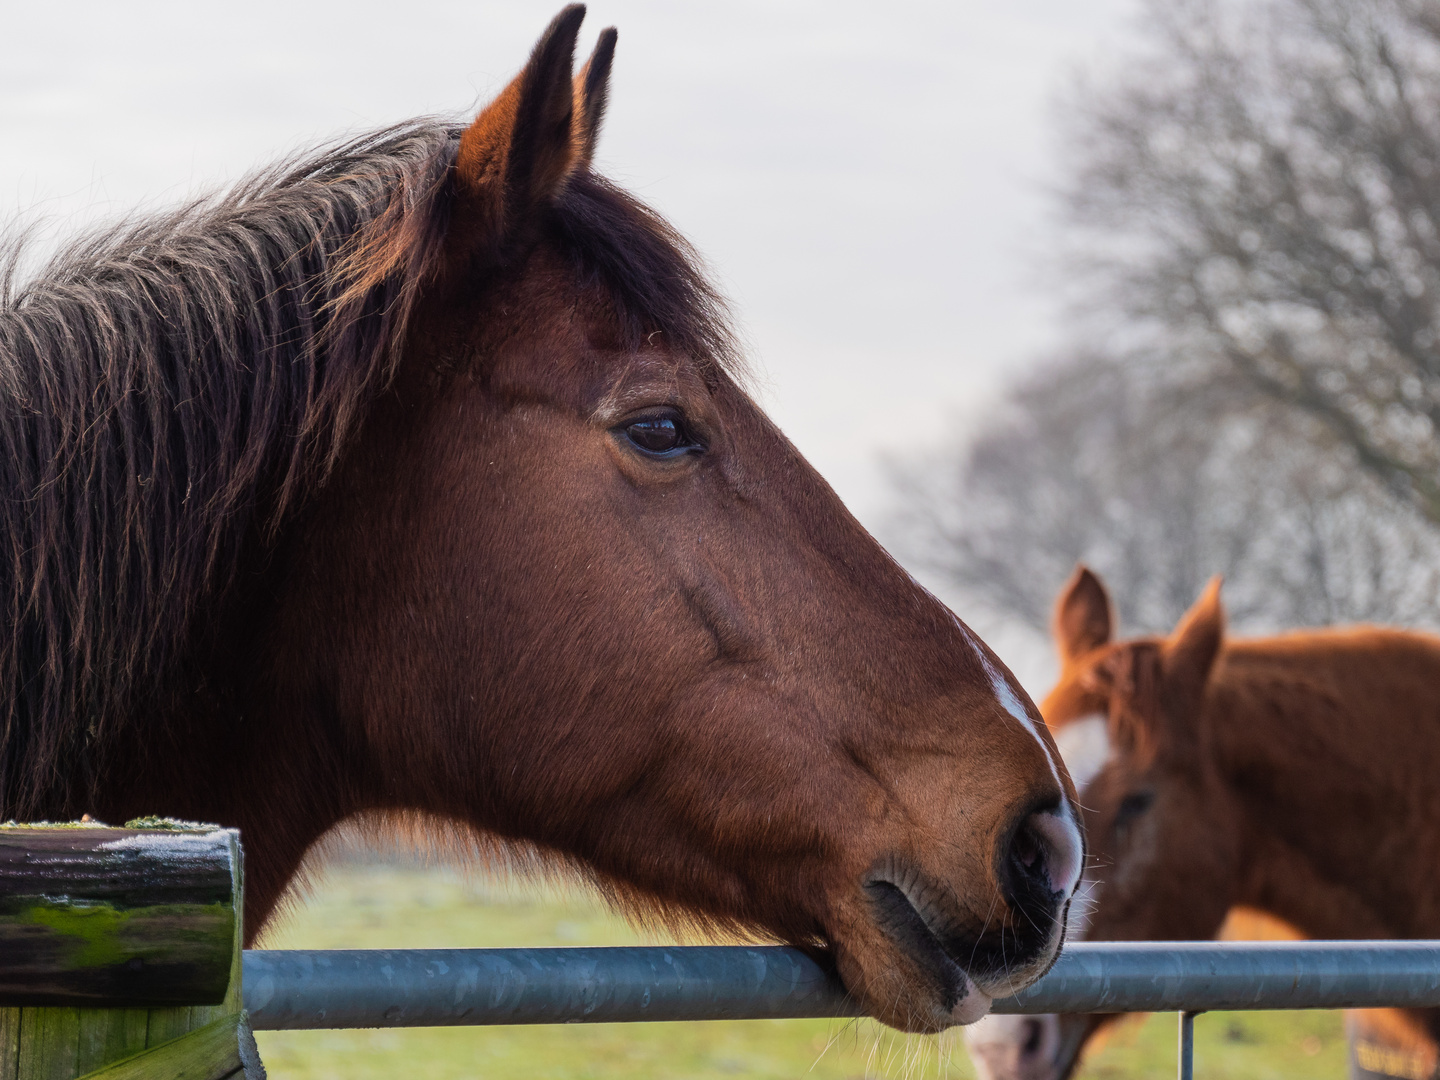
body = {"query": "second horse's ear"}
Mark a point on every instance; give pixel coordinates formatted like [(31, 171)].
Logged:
[(1137, 725), (521, 149), (1158, 688), (1082, 615), (1193, 647)]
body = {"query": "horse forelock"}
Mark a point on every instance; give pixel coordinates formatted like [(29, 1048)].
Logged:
[(173, 388), (656, 277)]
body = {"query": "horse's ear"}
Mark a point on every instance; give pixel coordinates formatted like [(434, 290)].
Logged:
[(1082, 615), (1134, 673), (519, 151), (592, 93), (1157, 688), (1191, 651)]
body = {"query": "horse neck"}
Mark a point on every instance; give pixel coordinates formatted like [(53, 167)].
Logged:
[(1327, 744), (245, 738)]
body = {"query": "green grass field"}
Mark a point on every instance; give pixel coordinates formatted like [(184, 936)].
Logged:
[(360, 906)]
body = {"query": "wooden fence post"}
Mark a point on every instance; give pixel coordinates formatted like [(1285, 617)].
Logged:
[(120, 953)]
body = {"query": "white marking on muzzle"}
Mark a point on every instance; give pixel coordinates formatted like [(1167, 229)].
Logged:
[(1014, 1047), (1005, 694), (1066, 836)]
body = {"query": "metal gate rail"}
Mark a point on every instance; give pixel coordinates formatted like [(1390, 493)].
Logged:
[(347, 988)]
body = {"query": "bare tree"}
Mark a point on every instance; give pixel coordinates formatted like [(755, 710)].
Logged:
[(1159, 485), (1261, 188), (1254, 201)]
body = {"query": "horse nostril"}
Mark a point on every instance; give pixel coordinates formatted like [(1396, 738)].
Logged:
[(1029, 880), (1044, 857), (1034, 1035), (1026, 850)]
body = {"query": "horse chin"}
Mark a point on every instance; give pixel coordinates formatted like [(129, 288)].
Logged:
[(909, 993), (907, 972)]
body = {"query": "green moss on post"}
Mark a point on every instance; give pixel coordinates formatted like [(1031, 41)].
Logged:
[(146, 915)]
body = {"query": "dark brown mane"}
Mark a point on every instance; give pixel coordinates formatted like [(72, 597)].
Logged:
[(651, 270), (172, 390)]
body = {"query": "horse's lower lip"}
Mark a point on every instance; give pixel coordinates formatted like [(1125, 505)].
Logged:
[(908, 928)]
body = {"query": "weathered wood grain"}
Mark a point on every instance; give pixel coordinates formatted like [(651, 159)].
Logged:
[(109, 1035), (49, 1044), (117, 917), (212, 1052), (167, 1024), (9, 1043)]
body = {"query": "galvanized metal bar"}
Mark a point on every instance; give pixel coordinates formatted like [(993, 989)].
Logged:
[(433, 987), (438, 987), (1108, 977), (1186, 1068)]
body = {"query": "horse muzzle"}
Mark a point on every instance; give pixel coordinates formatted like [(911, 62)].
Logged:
[(921, 960)]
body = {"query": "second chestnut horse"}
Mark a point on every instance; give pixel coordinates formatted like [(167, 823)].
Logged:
[(1291, 775)]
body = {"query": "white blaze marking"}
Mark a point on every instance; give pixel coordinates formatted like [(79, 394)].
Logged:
[(1067, 843), (1084, 746), (1011, 704)]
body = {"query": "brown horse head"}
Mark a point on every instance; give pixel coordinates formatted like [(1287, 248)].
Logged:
[(428, 485), (1160, 827)]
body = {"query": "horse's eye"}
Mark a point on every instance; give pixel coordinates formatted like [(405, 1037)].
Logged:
[(659, 436), (1133, 805)]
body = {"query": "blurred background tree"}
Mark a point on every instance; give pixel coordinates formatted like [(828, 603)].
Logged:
[(1252, 212), (1157, 487)]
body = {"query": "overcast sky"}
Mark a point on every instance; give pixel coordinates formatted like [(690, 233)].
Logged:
[(867, 180)]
